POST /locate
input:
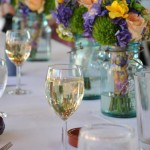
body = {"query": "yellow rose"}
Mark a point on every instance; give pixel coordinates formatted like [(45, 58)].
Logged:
[(136, 25), (35, 5), (118, 9)]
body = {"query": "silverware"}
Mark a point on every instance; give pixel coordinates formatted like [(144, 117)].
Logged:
[(6, 146)]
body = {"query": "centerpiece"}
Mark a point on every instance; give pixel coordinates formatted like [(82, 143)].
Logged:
[(34, 15), (118, 26)]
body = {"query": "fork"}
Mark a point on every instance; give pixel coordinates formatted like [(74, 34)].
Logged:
[(6, 146)]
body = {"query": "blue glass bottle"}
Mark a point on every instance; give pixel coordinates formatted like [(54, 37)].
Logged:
[(86, 54), (40, 33), (118, 97)]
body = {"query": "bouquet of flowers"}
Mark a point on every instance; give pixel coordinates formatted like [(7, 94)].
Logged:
[(109, 22), (112, 23)]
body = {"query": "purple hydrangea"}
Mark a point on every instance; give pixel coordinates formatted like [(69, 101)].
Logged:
[(123, 35), (64, 12), (103, 12), (121, 22), (88, 23), (89, 18), (23, 9)]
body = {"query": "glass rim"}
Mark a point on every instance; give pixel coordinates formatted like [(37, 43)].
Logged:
[(129, 131), (17, 30), (58, 68)]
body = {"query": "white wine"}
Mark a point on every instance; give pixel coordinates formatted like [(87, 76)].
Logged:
[(64, 95), (18, 52)]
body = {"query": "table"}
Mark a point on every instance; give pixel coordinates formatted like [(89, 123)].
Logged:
[(31, 124)]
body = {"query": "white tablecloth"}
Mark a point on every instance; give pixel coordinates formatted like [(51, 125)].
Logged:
[(31, 124)]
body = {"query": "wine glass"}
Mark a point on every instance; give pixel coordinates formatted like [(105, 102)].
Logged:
[(18, 49), (3, 81), (64, 88), (106, 136)]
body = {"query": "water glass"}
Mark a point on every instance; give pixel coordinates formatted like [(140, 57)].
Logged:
[(142, 94), (106, 137)]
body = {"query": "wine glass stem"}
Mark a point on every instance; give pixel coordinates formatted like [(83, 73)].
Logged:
[(64, 135), (18, 76)]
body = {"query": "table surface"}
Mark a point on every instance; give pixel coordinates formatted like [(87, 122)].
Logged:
[(31, 124)]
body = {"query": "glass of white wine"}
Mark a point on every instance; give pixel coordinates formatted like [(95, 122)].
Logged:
[(64, 88), (3, 81), (18, 49)]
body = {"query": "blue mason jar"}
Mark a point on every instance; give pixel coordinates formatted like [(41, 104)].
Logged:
[(118, 94), (86, 53), (40, 33)]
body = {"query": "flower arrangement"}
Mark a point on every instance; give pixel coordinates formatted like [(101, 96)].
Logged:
[(115, 23), (109, 22), (34, 15)]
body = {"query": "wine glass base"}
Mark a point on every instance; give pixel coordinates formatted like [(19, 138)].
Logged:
[(18, 92), (3, 114)]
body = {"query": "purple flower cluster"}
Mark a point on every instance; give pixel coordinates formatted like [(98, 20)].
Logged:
[(89, 18), (63, 14), (23, 9), (123, 35)]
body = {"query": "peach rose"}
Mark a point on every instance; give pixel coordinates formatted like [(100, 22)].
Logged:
[(87, 3), (136, 25), (35, 5)]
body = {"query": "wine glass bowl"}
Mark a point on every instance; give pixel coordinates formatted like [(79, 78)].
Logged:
[(64, 88), (18, 48)]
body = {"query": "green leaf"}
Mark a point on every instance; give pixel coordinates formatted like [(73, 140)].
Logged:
[(138, 7), (131, 3), (48, 6), (13, 2)]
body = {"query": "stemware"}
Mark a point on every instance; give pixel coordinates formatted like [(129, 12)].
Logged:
[(106, 136), (64, 88), (3, 81), (18, 49), (142, 96)]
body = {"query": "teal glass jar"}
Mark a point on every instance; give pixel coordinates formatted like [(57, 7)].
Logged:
[(40, 33), (86, 54), (118, 95)]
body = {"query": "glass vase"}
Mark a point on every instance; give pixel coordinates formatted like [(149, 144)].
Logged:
[(86, 54), (118, 95), (40, 32)]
